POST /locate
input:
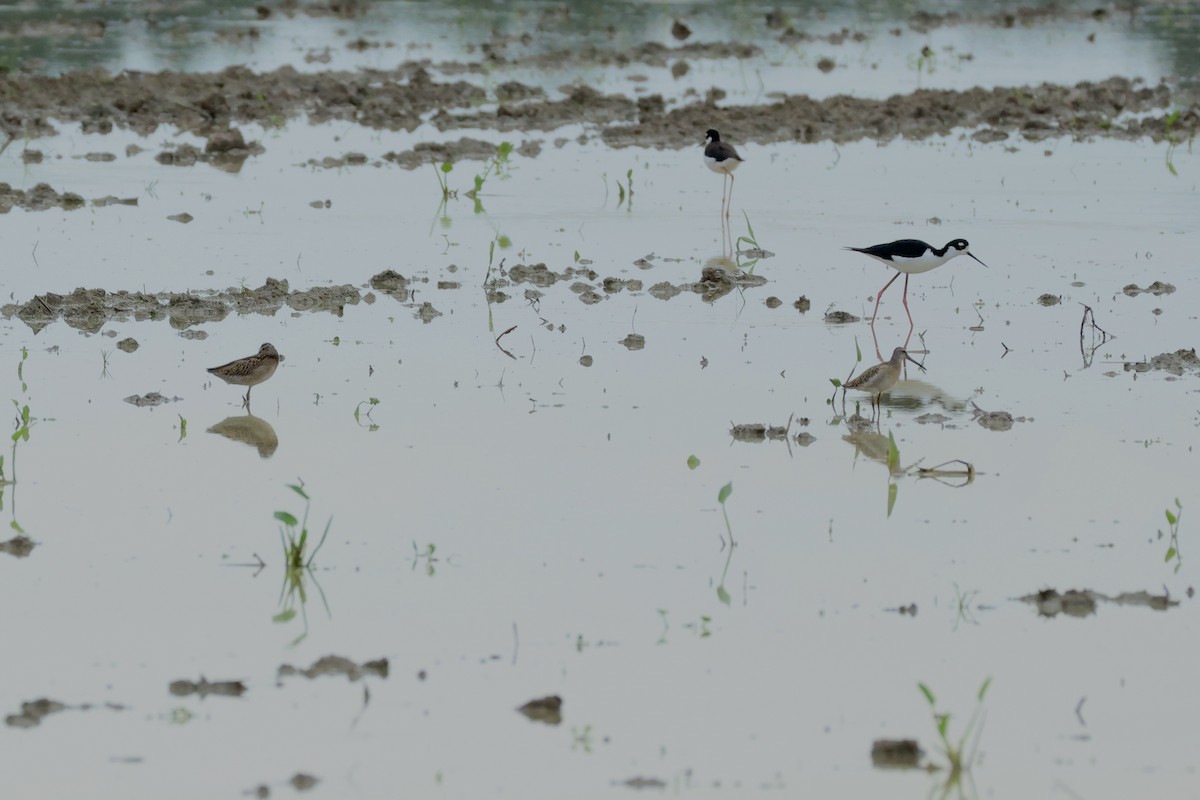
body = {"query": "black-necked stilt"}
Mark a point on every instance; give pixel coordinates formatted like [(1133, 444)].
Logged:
[(722, 158), (911, 256), (878, 379)]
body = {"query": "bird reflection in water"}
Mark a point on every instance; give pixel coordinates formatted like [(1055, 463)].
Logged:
[(250, 430)]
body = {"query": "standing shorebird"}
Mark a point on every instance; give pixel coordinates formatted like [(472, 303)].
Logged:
[(878, 379), (251, 370), (722, 158), (911, 256)]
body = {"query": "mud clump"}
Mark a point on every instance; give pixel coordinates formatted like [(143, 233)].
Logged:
[(1083, 602), (546, 710), (996, 420), (337, 665), (41, 197), (203, 688), (839, 317), (465, 149), (1158, 288), (634, 341), (1049, 300), (757, 432), (89, 310), (1174, 363), (33, 712), (18, 546), (150, 399), (896, 753)]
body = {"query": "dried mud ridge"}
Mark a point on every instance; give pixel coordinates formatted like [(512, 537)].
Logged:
[(210, 104)]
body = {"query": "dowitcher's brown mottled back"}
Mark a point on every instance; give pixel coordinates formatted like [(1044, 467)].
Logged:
[(251, 370), (878, 379)]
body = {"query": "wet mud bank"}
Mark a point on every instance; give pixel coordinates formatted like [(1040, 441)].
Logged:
[(209, 104)]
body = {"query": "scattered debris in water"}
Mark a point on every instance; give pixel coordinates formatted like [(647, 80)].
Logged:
[(337, 665), (802, 304), (33, 712), (41, 197), (1083, 602), (89, 309), (1049, 300), (643, 783), (757, 432), (150, 399), (1158, 288), (427, 313), (996, 420), (128, 344), (203, 688), (1174, 363), (839, 317), (547, 710)]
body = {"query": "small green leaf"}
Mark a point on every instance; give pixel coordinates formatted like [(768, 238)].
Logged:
[(983, 688), (722, 594), (478, 183), (298, 489), (284, 616), (723, 495), (693, 462), (1170, 517), (943, 723), (16, 526), (925, 690), (446, 167), (837, 383), (893, 453), (1170, 554), (504, 242), (576, 256), (503, 151), (857, 350), (286, 519), (893, 490)]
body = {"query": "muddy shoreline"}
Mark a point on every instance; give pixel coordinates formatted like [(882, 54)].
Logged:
[(209, 104)]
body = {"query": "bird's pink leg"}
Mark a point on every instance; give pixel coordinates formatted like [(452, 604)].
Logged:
[(906, 311), (879, 297), (730, 203)]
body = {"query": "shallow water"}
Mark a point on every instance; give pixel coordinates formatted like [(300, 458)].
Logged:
[(576, 552)]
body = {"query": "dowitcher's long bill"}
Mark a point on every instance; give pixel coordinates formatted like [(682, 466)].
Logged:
[(722, 158), (878, 379), (251, 370), (910, 256)]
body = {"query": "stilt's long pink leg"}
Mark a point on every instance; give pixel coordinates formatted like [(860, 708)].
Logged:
[(879, 297)]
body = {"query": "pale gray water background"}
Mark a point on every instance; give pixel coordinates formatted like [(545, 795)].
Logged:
[(559, 497)]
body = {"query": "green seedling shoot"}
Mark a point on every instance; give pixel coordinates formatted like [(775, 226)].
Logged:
[(293, 534), (958, 760), (1173, 518)]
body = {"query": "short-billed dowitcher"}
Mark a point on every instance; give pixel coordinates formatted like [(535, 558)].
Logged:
[(878, 379), (722, 158), (911, 256), (251, 370)]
